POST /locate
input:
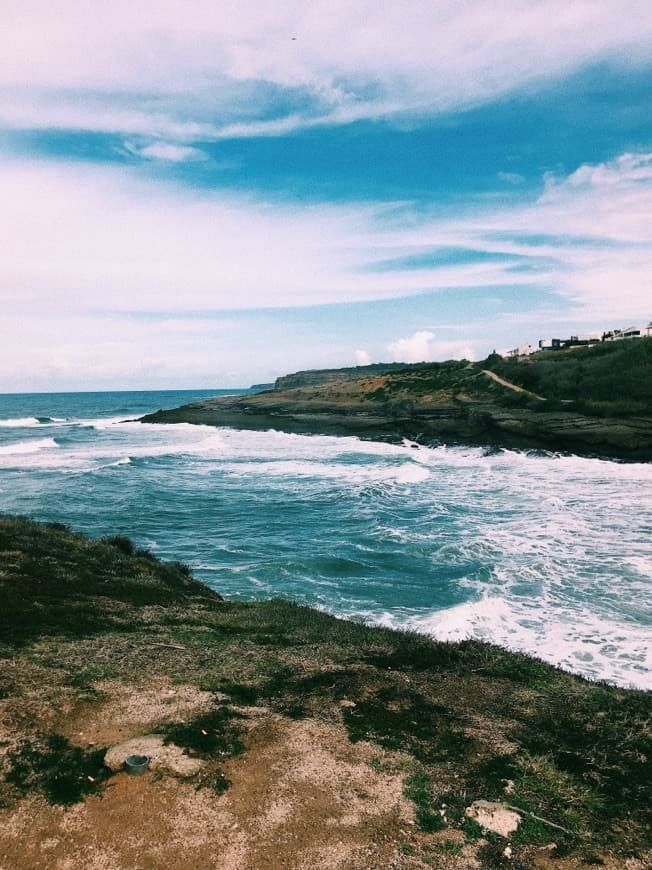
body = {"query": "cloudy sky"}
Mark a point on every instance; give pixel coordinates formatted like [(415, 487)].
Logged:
[(203, 194)]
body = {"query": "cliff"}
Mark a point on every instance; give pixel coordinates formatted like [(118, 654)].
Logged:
[(316, 377), (279, 736)]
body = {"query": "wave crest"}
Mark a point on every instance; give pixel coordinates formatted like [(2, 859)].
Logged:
[(34, 445)]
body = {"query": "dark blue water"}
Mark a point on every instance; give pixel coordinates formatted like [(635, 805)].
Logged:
[(551, 555)]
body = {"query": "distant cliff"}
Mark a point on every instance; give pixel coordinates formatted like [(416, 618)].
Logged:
[(593, 401), (315, 377)]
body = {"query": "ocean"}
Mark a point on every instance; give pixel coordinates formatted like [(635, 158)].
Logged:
[(542, 553)]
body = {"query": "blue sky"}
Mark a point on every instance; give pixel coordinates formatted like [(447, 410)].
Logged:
[(199, 196)]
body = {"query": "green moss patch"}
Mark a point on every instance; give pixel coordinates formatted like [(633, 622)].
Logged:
[(418, 788), (47, 763)]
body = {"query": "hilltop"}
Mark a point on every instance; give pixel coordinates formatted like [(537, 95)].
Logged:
[(283, 737), (595, 400)]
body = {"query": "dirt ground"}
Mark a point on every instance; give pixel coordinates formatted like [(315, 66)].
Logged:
[(302, 797)]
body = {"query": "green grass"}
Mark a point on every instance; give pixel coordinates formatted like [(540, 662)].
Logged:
[(62, 583), (403, 719), (418, 788), (610, 379), (613, 379)]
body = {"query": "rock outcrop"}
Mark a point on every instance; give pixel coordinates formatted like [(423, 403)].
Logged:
[(356, 408)]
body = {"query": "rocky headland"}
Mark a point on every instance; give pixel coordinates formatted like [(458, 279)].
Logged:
[(595, 401)]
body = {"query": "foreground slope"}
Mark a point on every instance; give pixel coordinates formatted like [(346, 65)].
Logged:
[(589, 400), (282, 737)]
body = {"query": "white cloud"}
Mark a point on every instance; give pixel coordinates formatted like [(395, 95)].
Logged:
[(167, 151), (83, 243), (181, 68), (587, 238), (103, 238), (362, 358), (422, 347), (416, 348), (79, 350)]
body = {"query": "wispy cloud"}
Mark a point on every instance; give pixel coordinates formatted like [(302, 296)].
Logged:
[(121, 117), (72, 231), (511, 177), (181, 76), (587, 237), (167, 151)]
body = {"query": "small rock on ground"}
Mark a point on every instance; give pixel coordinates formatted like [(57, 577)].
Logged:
[(170, 758), (494, 816)]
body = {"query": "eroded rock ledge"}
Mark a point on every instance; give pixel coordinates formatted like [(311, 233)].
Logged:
[(364, 408)]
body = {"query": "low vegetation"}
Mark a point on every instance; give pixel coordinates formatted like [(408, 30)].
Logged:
[(609, 379), (47, 763), (463, 722)]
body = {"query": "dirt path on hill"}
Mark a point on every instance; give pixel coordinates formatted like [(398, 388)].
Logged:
[(510, 385)]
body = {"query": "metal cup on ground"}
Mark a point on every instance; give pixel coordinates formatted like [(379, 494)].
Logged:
[(136, 765)]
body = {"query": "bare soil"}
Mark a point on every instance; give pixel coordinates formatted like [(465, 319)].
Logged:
[(302, 796)]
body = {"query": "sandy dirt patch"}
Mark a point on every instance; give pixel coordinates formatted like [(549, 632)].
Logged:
[(302, 797), (128, 711)]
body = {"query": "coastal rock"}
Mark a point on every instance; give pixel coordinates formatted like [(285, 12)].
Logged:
[(166, 758), (448, 402), (494, 816)]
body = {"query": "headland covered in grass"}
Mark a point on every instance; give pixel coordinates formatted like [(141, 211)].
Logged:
[(594, 400), (281, 736)]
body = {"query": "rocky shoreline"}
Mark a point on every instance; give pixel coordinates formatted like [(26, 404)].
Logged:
[(457, 418)]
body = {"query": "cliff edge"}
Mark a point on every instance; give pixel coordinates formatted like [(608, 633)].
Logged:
[(279, 736)]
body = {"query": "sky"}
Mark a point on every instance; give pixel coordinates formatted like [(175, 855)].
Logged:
[(199, 194)]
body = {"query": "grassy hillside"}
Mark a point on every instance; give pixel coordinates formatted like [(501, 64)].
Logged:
[(315, 377), (591, 401), (614, 378), (93, 631), (610, 379)]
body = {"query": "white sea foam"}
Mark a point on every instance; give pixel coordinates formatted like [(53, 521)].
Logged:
[(554, 551), (579, 642), (124, 460), (283, 470), (19, 422), (31, 422), (34, 445)]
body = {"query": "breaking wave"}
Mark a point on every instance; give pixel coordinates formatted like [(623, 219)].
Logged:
[(27, 447)]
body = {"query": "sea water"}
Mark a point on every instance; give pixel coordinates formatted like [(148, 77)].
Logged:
[(542, 553)]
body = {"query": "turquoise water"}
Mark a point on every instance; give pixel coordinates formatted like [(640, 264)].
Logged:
[(542, 553)]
